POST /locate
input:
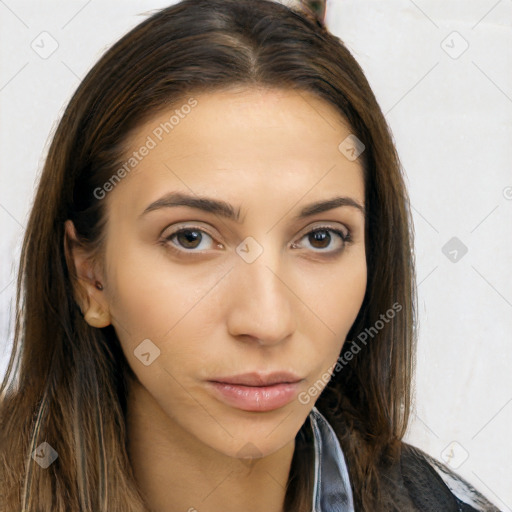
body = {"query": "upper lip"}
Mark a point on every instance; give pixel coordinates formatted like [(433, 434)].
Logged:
[(259, 379)]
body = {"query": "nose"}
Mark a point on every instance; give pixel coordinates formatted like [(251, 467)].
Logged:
[(262, 305)]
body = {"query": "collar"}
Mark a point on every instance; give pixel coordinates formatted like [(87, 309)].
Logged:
[(331, 490)]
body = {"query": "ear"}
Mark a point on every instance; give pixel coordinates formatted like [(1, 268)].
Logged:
[(86, 279)]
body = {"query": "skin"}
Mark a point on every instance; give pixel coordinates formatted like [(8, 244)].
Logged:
[(268, 153)]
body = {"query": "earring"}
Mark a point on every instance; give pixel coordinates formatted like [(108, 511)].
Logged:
[(94, 319), (98, 285)]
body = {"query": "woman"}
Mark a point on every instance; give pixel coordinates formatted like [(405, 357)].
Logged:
[(220, 224)]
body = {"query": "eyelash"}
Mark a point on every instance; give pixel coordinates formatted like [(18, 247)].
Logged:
[(346, 239)]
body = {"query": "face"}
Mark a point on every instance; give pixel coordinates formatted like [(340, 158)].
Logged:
[(254, 285)]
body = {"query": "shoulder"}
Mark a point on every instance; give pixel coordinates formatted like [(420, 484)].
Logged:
[(434, 486)]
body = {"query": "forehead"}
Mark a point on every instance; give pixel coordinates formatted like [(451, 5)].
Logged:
[(262, 143)]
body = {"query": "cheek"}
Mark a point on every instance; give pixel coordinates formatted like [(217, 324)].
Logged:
[(151, 295), (349, 293), (335, 295), (174, 307), (335, 299), (338, 304)]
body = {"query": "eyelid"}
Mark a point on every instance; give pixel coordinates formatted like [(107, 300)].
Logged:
[(317, 226), (186, 225), (346, 239)]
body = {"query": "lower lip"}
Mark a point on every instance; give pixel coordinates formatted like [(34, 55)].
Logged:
[(253, 398)]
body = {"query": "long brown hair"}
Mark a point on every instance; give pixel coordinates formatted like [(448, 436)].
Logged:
[(66, 382)]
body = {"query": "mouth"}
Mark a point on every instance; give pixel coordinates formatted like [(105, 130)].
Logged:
[(256, 392), (259, 379)]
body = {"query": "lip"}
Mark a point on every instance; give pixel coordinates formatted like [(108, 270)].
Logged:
[(256, 392), (259, 379)]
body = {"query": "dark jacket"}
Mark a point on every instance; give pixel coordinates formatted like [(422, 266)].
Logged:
[(422, 483)]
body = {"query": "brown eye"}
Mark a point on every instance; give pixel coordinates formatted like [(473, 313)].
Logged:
[(189, 239), (327, 239), (320, 239)]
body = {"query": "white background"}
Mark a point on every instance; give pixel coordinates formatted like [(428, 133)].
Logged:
[(452, 122)]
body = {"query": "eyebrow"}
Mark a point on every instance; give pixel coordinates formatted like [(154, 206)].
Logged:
[(224, 209)]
